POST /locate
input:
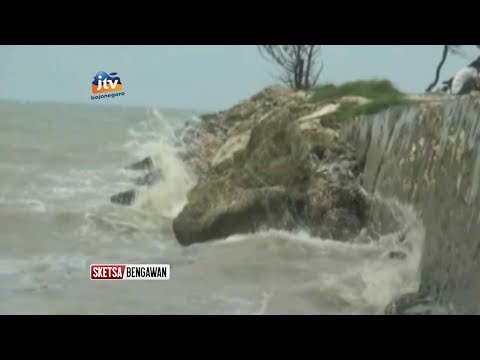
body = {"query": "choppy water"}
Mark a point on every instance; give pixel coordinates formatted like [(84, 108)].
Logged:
[(59, 164)]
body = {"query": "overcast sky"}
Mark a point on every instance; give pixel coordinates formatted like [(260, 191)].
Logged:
[(199, 77)]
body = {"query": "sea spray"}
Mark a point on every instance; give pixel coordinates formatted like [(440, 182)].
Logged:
[(168, 195), (156, 139)]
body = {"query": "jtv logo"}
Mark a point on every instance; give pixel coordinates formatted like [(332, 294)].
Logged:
[(106, 86), (104, 82)]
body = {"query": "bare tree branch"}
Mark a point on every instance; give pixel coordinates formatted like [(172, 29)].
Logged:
[(297, 62)]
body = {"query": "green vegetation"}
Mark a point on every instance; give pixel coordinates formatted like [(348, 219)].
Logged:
[(349, 111), (381, 93), (371, 89)]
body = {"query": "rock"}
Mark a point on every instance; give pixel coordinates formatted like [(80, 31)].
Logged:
[(153, 175), (325, 110), (331, 121), (124, 198), (213, 123), (417, 304), (199, 167), (145, 164), (400, 255), (201, 151), (275, 154), (220, 208), (149, 179), (319, 139), (334, 211), (231, 147)]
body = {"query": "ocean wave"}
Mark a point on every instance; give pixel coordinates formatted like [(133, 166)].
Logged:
[(331, 276), (167, 196)]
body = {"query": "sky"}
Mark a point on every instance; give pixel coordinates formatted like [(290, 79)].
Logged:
[(200, 77)]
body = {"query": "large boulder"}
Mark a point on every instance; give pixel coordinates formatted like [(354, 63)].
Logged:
[(220, 208), (276, 154)]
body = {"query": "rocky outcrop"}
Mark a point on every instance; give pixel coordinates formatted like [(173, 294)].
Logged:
[(206, 142), (266, 163), (277, 160)]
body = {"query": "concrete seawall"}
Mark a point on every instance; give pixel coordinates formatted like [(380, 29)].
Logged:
[(428, 155)]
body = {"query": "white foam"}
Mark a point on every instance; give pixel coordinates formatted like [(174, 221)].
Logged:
[(168, 196), (302, 237)]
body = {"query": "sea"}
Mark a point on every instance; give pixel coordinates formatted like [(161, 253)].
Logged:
[(59, 165)]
